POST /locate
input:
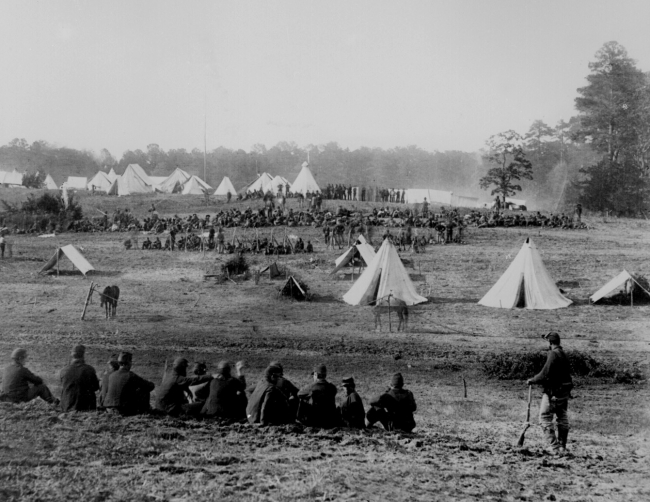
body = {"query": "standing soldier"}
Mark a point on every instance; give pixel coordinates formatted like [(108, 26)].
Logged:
[(555, 378), (578, 213)]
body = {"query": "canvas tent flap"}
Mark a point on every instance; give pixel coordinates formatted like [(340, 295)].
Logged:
[(169, 184), (527, 270), (385, 275), (615, 283), (74, 255), (100, 181)]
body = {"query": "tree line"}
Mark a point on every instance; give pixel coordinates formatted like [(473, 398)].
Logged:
[(598, 158)]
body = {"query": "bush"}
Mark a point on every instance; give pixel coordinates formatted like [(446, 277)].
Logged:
[(523, 365), (235, 266), (34, 180)]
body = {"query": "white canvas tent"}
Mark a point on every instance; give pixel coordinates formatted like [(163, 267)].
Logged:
[(131, 183), (263, 182), (384, 276), (279, 184), (174, 181), (465, 201), (617, 282), (526, 283), (73, 254), (517, 202), (140, 172), (112, 175), (14, 178), (305, 181), (225, 186), (156, 181), (100, 181), (417, 195), (195, 186), (49, 183), (76, 183)]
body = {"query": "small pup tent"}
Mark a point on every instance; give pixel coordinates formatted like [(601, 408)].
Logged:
[(617, 282), (305, 181), (174, 181), (73, 254), (526, 284), (49, 183), (294, 289), (225, 186), (195, 186), (384, 276)]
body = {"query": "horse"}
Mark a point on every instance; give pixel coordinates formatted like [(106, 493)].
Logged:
[(109, 298), (397, 306)]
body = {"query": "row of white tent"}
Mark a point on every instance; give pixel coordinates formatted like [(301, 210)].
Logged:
[(525, 284), (135, 180), (12, 178)]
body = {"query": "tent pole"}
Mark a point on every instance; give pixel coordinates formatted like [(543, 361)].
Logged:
[(390, 326), (90, 292), (57, 261)]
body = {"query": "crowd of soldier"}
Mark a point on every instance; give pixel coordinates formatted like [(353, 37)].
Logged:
[(274, 400), (224, 395)]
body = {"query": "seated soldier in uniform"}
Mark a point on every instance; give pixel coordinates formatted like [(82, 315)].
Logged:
[(352, 412), (199, 393), (394, 409), (171, 395), (318, 401), (146, 244), (156, 244), (268, 405), (227, 398), (79, 383), (127, 393), (310, 247), (128, 244), (111, 366), (20, 385)]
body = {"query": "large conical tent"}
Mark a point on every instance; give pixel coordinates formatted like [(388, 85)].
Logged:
[(615, 283), (73, 254), (526, 284), (131, 182), (225, 186), (305, 181), (112, 175), (100, 181), (49, 183), (263, 182), (195, 186), (384, 276), (174, 181)]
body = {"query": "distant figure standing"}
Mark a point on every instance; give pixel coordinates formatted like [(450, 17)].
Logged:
[(425, 208), (578, 212), (2, 246), (228, 196)]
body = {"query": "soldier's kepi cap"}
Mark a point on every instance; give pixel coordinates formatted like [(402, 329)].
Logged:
[(321, 369), (552, 337), (348, 381), (78, 351)]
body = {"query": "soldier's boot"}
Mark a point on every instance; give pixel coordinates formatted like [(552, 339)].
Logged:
[(553, 442), (562, 437)]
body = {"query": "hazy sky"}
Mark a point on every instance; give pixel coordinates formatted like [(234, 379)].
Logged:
[(439, 74)]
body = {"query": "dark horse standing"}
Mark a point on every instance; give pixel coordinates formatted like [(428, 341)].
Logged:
[(109, 298)]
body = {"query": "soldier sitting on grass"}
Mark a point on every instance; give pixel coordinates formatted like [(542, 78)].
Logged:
[(19, 385), (394, 409)]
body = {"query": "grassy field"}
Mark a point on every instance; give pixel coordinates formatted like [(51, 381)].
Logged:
[(462, 449)]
